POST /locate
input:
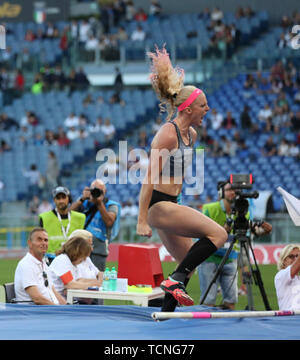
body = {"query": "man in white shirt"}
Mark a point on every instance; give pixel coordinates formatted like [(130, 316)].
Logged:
[(72, 120), (32, 280), (138, 34), (265, 113), (216, 119), (287, 280)]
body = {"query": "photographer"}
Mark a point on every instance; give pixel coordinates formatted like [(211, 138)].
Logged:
[(221, 212), (102, 219)]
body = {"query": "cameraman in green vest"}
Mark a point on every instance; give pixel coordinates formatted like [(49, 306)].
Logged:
[(220, 211), (61, 221)]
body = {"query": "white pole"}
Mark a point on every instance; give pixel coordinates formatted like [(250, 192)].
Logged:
[(230, 314)]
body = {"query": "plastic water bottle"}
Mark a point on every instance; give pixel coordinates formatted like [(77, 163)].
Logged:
[(113, 279), (106, 280)]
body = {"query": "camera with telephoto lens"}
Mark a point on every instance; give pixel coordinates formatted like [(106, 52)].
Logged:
[(95, 192)]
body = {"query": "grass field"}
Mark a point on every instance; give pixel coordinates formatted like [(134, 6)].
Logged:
[(8, 266)]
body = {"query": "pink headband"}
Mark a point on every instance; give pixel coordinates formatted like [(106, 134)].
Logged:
[(190, 99)]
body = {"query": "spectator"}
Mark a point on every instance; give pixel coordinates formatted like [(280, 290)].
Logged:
[(216, 14), (29, 36), (73, 133), (59, 79), (138, 34), (50, 31), (245, 119), (47, 77), (84, 31), (295, 121), (83, 134), (72, 81), (52, 172), (215, 149), (92, 43), (63, 269), (130, 10), (118, 82), (64, 45), (62, 138), (155, 9), (294, 149), (216, 119), (50, 137), (297, 95), (24, 59), (228, 122), (108, 129), (121, 35), (140, 15), (4, 146), (32, 278), (82, 81), (37, 86), (44, 206), (269, 149), (280, 118), (283, 149), (33, 205), (130, 209), (34, 178), (6, 123), (229, 147), (71, 121), (265, 113), (32, 119), (19, 83), (277, 72), (94, 128), (287, 281)]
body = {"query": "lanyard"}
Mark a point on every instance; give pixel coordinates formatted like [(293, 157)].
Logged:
[(64, 231)]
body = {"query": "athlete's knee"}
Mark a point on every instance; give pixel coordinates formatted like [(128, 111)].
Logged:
[(220, 237)]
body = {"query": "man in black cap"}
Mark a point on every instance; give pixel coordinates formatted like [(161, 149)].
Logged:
[(61, 221)]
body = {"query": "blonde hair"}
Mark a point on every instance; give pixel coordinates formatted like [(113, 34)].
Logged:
[(167, 82), (75, 248), (284, 253), (81, 233)]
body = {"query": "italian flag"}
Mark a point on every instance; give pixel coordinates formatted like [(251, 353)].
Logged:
[(39, 16)]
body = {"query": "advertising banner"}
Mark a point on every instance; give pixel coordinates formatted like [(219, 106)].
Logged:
[(30, 10)]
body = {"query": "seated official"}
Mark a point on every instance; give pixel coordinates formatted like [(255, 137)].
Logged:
[(287, 280), (63, 269), (87, 269), (32, 280)]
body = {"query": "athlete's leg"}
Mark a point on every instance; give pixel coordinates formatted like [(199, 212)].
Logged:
[(186, 222)]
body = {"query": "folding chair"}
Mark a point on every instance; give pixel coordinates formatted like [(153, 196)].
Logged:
[(10, 295)]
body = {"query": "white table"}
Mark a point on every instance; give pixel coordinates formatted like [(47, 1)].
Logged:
[(137, 298)]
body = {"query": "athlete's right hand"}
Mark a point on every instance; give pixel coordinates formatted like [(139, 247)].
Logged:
[(143, 230)]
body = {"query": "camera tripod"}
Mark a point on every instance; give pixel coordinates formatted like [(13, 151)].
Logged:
[(247, 276)]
